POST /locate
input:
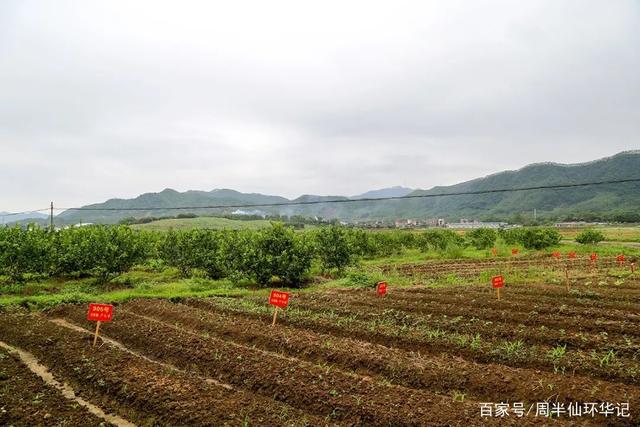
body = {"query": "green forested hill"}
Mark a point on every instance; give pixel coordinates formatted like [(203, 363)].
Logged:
[(595, 200), (559, 202), (166, 198)]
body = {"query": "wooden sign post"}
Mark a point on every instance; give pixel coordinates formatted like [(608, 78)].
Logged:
[(494, 251), (620, 260), (497, 282), (278, 300), (99, 313), (570, 257), (556, 255), (594, 260), (381, 289)]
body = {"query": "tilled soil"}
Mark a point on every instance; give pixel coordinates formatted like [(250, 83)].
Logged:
[(418, 356), (25, 399), (322, 390), (140, 391)]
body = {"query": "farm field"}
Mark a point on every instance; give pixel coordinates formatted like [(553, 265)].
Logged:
[(202, 222), (613, 234), (424, 354)]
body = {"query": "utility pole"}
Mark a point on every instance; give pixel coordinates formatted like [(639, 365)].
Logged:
[(51, 218), (535, 214)]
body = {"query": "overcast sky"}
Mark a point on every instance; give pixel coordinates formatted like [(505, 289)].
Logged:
[(102, 99)]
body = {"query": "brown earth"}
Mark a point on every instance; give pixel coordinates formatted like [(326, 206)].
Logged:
[(419, 356), (26, 400), (138, 390)]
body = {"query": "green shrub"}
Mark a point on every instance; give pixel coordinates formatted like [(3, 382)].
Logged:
[(362, 279), (334, 250), (174, 250), (194, 249), (539, 238), (279, 251), (362, 244), (439, 240), (387, 243), (116, 249), (237, 250), (590, 237), (24, 251), (512, 236), (482, 238)]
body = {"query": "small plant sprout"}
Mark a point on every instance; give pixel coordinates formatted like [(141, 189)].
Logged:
[(475, 342), (458, 396), (608, 358), (557, 353)]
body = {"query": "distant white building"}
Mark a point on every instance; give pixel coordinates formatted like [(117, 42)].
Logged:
[(577, 224), (247, 213), (406, 223), (476, 224)]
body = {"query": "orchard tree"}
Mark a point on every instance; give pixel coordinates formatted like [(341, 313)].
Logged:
[(539, 238), (117, 249), (590, 237), (280, 251), (24, 251), (333, 248), (482, 238)]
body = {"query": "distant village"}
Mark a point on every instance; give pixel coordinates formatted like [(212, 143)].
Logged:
[(428, 223), (464, 223)]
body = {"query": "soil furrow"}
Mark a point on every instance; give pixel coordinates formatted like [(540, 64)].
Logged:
[(324, 391), (444, 374), (436, 342), (136, 389), (27, 399)]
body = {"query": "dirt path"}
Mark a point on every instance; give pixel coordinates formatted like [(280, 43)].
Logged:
[(32, 363)]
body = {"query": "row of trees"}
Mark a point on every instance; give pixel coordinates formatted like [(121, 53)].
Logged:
[(97, 250), (277, 251)]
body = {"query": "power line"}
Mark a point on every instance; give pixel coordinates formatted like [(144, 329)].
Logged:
[(368, 199)]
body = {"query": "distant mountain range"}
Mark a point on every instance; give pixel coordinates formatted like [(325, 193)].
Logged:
[(6, 218), (596, 201), (396, 191)]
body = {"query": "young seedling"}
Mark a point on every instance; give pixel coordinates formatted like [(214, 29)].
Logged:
[(557, 353), (607, 358)]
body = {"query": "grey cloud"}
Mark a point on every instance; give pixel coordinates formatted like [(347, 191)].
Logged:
[(106, 99)]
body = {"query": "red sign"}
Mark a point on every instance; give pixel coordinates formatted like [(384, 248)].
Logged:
[(620, 259), (279, 299), (594, 256), (556, 254), (100, 312), (571, 255), (497, 282), (381, 289), (514, 251)]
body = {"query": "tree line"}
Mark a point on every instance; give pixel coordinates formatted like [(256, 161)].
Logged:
[(277, 251)]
